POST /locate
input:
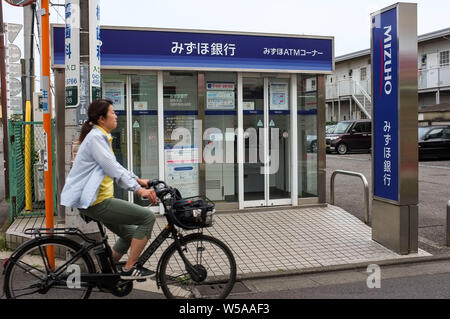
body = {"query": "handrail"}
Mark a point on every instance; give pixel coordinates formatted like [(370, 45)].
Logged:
[(366, 189), (448, 223), (361, 89)]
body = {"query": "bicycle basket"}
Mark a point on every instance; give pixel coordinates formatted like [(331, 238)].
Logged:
[(193, 213)]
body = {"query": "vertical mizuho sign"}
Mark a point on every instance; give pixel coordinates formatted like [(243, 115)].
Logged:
[(395, 121), (385, 105)]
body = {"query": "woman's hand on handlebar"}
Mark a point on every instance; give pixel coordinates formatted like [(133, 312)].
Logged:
[(143, 182), (148, 193)]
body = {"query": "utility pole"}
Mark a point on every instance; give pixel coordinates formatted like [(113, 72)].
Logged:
[(47, 108), (3, 101), (28, 85)]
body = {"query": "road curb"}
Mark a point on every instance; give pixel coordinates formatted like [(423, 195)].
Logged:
[(354, 266)]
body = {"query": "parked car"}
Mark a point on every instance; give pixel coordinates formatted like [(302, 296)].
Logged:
[(329, 129), (351, 135), (311, 140), (434, 142)]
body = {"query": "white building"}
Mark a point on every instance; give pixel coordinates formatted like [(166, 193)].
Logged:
[(348, 90)]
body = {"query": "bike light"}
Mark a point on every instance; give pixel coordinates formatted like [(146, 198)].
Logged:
[(4, 263)]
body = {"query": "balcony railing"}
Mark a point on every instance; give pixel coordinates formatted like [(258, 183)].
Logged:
[(434, 77), (431, 78), (345, 88)]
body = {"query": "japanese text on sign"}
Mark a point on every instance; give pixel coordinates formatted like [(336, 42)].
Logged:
[(224, 49), (387, 154), (291, 52)]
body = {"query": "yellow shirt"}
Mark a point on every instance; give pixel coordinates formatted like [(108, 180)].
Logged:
[(106, 189)]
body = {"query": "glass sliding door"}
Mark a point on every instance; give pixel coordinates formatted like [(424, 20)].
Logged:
[(144, 128), (279, 141), (219, 139), (253, 125), (266, 125)]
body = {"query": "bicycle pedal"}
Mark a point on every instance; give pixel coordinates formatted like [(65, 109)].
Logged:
[(141, 280)]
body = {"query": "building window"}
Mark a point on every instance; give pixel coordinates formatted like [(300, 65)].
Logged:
[(444, 58), (363, 74), (423, 61)]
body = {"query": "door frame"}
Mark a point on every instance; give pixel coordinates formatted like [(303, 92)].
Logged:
[(293, 178)]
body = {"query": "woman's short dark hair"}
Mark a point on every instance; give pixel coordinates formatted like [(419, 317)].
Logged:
[(96, 109)]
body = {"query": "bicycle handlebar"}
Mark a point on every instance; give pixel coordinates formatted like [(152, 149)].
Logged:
[(160, 191)]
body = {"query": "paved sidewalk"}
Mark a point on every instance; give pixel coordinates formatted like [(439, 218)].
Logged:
[(282, 242)]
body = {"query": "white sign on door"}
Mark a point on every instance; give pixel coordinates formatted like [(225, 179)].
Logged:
[(279, 96)]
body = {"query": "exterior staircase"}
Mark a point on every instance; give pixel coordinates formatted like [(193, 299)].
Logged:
[(364, 103), (362, 99), (353, 88)]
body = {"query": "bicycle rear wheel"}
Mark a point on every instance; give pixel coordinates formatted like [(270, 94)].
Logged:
[(28, 273), (213, 261)]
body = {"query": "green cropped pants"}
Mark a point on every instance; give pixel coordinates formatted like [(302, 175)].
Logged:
[(125, 219)]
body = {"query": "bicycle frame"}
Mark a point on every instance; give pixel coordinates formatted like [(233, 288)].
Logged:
[(107, 276), (156, 243)]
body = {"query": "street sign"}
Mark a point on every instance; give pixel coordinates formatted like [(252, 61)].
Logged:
[(13, 30), (14, 86), (14, 53), (72, 53), (14, 70), (94, 49), (15, 103)]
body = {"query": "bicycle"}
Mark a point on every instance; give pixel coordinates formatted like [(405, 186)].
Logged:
[(193, 266)]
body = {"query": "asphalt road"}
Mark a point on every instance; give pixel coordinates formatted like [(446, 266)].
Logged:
[(434, 193), (436, 286)]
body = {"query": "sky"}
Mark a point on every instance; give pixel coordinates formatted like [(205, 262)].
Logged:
[(346, 20)]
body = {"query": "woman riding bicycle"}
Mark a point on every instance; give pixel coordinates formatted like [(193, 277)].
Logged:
[(90, 188)]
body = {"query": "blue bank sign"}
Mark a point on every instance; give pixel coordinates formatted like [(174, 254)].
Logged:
[(385, 105), (204, 50)]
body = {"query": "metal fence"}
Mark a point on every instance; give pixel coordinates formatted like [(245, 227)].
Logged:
[(26, 168)]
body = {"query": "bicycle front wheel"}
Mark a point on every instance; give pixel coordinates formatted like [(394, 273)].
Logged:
[(31, 273), (213, 261)]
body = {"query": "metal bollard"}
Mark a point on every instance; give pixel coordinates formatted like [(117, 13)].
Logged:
[(366, 189)]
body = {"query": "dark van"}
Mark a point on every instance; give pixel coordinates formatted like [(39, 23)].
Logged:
[(350, 136), (434, 142)]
